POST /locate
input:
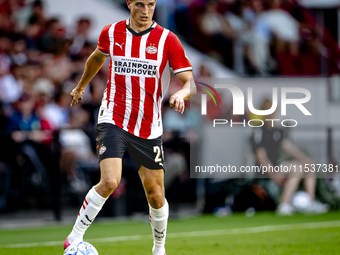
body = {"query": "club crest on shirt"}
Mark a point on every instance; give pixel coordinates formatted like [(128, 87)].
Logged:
[(151, 50), (102, 150)]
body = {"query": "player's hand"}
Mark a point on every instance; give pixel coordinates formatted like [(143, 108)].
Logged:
[(178, 102), (76, 95)]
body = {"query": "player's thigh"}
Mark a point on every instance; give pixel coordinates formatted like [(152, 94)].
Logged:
[(146, 152), (111, 170), (110, 175), (110, 150)]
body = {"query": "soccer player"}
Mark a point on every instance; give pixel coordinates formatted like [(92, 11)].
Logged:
[(141, 53)]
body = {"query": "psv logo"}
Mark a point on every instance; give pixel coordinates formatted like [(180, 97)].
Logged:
[(151, 50), (102, 150)]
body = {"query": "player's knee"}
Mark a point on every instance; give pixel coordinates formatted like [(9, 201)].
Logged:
[(110, 185), (155, 196)]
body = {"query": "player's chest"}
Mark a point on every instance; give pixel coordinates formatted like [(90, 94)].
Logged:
[(135, 66), (144, 47)]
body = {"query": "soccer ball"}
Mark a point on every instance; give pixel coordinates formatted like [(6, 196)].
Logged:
[(83, 248), (71, 250), (87, 249), (301, 201)]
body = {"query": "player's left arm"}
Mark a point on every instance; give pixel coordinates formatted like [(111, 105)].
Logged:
[(188, 91)]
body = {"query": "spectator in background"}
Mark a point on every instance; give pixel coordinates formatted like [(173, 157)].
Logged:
[(217, 29), (6, 23), (57, 112), (81, 36), (270, 26), (49, 37), (310, 53), (35, 61), (31, 71), (285, 30), (284, 27), (31, 159), (33, 33), (165, 13), (21, 11), (38, 11), (244, 17), (259, 38), (11, 85), (18, 53), (24, 118), (59, 68), (5, 46), (76, 151), (267, 142), (44, 91), (97, 86), (213, 24), (316, 42)]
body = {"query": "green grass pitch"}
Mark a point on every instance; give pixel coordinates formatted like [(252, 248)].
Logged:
[(262, 234)]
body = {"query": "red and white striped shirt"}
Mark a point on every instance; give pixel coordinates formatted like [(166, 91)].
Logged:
[(139, 76)]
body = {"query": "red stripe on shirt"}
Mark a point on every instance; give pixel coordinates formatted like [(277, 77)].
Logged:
[(135, 103), (145, 129), (108, 87), (135, 86), (135, 46), (120, 85), (119, 100), (150, 86), (153, 41), (161, 69), (119, 39)]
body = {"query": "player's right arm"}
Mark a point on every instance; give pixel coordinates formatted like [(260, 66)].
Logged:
[(92, 66)]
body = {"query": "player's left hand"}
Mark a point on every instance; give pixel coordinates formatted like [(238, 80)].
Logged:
[(178, 102)]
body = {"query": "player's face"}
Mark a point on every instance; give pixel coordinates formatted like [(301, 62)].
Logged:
[(142, 11)]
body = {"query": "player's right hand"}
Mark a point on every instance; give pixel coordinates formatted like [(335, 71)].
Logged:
[(177, 101), (76, 95)]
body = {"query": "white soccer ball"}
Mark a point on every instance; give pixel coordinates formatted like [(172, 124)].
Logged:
[(71, 250), (83, 248), (301, 201), (87, 249)]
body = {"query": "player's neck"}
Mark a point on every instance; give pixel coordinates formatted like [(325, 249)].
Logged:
[(138, 28)]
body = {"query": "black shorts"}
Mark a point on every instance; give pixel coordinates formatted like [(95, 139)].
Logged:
[(112, 141)]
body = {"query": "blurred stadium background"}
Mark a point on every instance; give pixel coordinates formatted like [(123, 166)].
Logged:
[(47, 152)]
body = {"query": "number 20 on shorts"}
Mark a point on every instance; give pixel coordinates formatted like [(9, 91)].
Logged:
[(159, 152)]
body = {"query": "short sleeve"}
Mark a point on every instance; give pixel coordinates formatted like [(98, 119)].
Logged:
[(177, 56), (104, 41)]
